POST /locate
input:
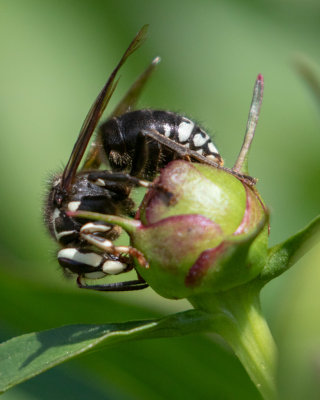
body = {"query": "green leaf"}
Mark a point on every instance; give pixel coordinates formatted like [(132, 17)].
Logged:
[(204, 366), (28, 355), (284, 255)]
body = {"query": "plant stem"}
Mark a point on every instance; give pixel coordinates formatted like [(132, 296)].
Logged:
[(128, 224), (237, 317)]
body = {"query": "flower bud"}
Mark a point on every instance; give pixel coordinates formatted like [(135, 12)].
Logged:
[(205, 232)]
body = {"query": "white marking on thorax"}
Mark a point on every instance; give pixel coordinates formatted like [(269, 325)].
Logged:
[(200, 151), (73, 254), (111, 267), (212, 148), (199, 140), (184, 130), (167, 130), (73, 205)]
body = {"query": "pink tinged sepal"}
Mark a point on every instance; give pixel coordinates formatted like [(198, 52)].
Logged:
[(237, 260), (172, 245)]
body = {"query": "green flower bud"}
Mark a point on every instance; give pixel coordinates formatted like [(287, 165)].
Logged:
[(209, 235)]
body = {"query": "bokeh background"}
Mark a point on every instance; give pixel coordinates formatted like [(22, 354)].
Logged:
[(55, 57)]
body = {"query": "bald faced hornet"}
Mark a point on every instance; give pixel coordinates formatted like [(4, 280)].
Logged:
[(136, 144)]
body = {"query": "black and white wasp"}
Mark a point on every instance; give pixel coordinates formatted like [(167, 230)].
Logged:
[(136, 144)]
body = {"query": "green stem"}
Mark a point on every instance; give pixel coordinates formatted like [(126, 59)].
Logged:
[(128, 224), (238, 319)]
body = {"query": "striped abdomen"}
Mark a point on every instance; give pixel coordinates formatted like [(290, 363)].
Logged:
[(127, 148)]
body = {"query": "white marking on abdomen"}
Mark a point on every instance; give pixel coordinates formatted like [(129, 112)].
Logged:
[(184, 130), (212, 148), (73, 254), (199, 140), (111, 267)]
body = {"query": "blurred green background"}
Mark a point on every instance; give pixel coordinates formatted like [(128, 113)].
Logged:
[(55, 57)]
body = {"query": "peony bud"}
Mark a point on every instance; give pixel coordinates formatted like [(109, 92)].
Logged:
[(210, 234)]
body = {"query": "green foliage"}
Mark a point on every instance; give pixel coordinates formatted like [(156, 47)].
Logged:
[(54, 59), (132, 370), (26, 356)]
